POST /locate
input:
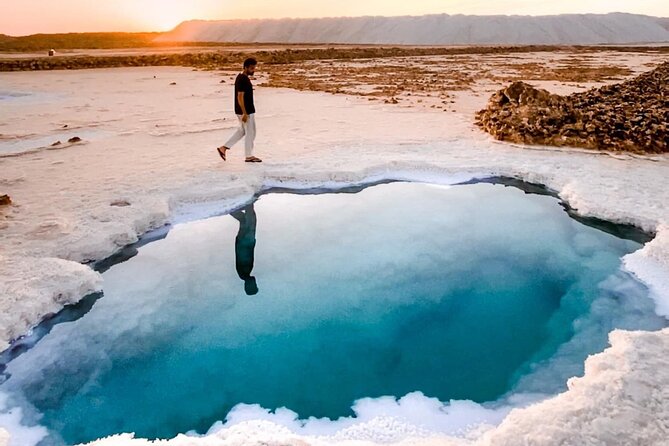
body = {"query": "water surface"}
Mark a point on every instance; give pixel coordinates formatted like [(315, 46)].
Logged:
[(313, 301)]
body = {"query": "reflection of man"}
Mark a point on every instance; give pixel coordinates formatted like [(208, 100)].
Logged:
[(245, 245)]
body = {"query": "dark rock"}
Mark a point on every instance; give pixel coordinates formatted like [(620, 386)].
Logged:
[(630, 116), (523, 94), (74, 139), (5, 200), (57, 143), (120, 203)]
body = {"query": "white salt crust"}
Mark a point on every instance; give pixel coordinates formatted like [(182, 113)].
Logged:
[(152, 145)]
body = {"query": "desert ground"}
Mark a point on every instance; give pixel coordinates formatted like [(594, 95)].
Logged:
[(137, 151)]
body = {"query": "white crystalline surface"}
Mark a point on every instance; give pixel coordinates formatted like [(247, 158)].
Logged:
[(162, 162), (440, 29), (29, 280)]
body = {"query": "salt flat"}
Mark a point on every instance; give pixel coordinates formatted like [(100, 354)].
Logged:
[(151, 145)]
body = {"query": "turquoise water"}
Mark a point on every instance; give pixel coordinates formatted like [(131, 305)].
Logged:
[(313, 301)]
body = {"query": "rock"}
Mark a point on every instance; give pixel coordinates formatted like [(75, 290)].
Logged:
[(120, 203), (630, 116), (523, 94), (57, 143), (74, 139), (173, 83), (5, 200)]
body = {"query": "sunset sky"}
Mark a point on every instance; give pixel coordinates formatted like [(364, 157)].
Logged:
[(21, 17)]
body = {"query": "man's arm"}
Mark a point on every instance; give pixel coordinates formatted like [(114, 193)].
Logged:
[(240, 101)]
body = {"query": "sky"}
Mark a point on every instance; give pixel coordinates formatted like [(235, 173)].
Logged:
[(22, 17)]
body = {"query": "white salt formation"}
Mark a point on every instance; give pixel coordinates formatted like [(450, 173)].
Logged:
[(161, 160), (442, 29), (75, 280)]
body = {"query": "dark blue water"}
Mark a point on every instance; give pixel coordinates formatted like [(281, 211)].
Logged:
[(313, 301)]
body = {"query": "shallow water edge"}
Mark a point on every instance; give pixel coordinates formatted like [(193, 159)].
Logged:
[(75, 311)]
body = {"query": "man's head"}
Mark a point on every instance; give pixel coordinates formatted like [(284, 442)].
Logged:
[(250, 66), (251, 286)]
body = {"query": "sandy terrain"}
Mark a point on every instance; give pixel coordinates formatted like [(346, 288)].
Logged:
[(438, 81), (147, 158), (169, 49)]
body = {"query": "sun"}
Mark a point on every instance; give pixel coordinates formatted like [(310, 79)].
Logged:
[(164, 15)]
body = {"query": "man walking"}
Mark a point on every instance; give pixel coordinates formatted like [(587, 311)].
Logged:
[(245, 111)]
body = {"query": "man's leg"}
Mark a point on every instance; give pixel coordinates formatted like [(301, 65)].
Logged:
[(239, 134), (249, 140)]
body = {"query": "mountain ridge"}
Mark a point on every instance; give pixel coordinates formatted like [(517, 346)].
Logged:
[(434, 29)]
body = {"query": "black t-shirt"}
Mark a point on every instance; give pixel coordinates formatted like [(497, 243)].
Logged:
[(243, 84)]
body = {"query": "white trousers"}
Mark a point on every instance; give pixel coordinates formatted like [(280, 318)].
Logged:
[(246, 130)]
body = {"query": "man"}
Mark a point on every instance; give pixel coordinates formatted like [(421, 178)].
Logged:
[(245, 111)]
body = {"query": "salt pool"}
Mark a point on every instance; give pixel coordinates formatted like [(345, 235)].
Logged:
[(311, 302)]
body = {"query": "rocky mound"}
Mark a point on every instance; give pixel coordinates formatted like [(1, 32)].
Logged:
[(632, 116)]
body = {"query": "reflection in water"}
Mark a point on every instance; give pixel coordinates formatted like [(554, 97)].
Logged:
[(245, 245)]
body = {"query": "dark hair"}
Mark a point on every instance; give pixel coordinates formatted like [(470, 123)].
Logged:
[(250, 61)]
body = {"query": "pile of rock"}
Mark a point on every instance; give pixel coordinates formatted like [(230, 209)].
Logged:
[(632, 116)]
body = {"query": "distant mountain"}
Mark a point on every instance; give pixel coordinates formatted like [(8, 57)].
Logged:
[(664, 21), (442, 29)]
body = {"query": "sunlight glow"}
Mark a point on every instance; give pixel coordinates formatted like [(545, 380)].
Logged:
[(156, 15)]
